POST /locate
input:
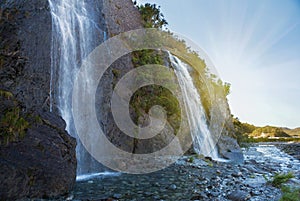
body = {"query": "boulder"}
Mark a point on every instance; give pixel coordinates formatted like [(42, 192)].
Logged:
[(41, 164)]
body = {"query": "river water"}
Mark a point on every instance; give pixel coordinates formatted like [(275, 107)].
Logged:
[(196, 180)]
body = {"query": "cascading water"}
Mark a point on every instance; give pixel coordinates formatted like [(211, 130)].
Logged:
[(202, 138), (74, 35)]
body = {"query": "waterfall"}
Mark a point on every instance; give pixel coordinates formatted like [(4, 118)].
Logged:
[(75, 34), (202, 139)]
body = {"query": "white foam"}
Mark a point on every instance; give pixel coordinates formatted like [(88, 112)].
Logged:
[(86, 177)]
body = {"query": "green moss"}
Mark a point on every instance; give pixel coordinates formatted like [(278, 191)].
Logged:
[(12, 126), (41, 147), (116, 75), (30, 174), (6, 94), (116, 72), (27, 14)]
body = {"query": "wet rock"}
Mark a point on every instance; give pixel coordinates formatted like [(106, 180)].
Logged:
[(237, 174), (26, 48), (239, 195), (117, 196), (173, 187), (229, 149), (42, 164)]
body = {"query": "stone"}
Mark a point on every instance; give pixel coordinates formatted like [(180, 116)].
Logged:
[(173, 187), (42, 164), (117, 196), (239, 195), (237, 174)]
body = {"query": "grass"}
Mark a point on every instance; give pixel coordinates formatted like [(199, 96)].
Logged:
[(290, 194), (280, 179), (191, 159)]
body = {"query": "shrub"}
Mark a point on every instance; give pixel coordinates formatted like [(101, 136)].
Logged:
[(280, 179), (290, 194), (151, 16)]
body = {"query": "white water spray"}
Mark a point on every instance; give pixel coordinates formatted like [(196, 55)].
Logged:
[(75, 34), (202, 138)]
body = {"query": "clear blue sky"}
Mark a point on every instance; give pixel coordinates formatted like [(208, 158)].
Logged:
[(255, 46)]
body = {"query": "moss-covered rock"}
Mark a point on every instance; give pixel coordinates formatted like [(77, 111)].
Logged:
[(37, 156)]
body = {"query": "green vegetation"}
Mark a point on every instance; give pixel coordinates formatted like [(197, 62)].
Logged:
[(206, 83), (146, 97), (12, 124), (280, 179), (290, 194), (269, 131), (242, 130), (292, 132), (247, 133), (191, 159), (149, 96), (6, 94), (151, 16), (143, 57)]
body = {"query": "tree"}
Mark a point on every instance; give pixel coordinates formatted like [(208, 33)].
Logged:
[(152, 17)]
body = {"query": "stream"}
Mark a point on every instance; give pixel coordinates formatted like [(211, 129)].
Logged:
[(200, 179)]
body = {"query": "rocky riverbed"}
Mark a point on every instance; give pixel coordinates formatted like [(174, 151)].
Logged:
[(292, 149), (196, 179)]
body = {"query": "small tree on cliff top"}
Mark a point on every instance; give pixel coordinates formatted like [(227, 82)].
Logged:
[(152, 17)]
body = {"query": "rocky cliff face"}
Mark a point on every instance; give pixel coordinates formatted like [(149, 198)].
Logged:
[(25, 47), (40, 164), (43, 162)]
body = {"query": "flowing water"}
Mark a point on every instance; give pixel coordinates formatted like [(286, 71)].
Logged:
[(202, 139), (75, 30)]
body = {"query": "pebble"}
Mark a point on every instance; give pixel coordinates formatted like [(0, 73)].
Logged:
[(117, 196), (239, 195), (238, 174), (173, 187), (221, 182)]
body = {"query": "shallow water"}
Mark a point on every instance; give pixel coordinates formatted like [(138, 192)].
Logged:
[(277, 159), (197, 180), (180, 181)]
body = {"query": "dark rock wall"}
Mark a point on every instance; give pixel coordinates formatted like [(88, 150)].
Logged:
[(120, 16), (43, 163), (25, 49), (25, 67), (40, 164)]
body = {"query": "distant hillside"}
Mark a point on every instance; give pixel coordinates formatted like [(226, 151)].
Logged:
[(248, 133), (269, 132), (292, 132)]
